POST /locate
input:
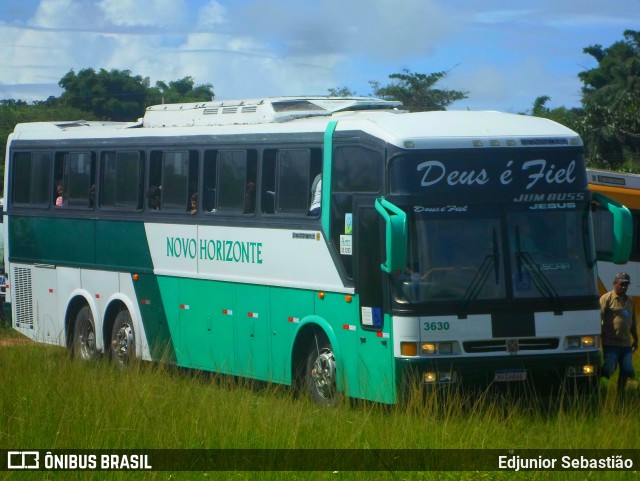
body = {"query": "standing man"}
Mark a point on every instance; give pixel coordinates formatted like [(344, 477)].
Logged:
[(619, 331)]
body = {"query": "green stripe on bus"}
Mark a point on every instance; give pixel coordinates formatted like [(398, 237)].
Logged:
[(326, 174), (109, 244), (154, 318)]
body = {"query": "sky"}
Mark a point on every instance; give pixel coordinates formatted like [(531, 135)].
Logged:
[(504, 54)]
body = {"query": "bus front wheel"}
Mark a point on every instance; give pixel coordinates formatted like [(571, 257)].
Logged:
[(320, 376), (123, 341), (84, 336)]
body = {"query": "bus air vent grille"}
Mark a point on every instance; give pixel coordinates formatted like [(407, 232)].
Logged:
[(22, 297), (500, 345)]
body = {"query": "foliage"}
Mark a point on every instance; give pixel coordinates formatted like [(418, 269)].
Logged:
[(179, 91), (611, 100), (110, 95), (416, 91), (119, 96), (568, 117), (341, 92)]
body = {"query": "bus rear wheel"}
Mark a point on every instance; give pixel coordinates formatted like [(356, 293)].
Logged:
[(123, 341), (320, 376), (84, 336)]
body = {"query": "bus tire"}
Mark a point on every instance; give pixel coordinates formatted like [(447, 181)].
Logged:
[(123, 340), (84, 336), (320, 375)]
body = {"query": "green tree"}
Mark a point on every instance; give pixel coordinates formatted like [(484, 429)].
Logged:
[(611, 101), (571, 118), (111, 95), (417, 91), (341, 92), (179, 91), (120, 96)]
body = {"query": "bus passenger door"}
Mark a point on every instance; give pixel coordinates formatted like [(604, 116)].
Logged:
[(375, 346)]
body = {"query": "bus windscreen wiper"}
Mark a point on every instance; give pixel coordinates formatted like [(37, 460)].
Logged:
[(543, 285), (480, 279)]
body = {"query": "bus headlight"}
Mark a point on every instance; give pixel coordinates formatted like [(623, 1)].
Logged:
[(430, 377), (580, 371), (440, 377), (588, 341), (429, 348), (433, 348), (581, 342)]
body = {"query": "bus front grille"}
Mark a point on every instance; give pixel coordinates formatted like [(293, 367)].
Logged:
[(500, 345)]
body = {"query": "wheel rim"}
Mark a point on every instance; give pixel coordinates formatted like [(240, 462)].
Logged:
[(123, 344), (87, 341), (323, 374)]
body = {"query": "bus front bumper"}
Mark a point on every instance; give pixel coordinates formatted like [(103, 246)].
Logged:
[(543, 371)]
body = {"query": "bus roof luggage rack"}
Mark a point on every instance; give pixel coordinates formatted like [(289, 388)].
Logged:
[(257, 111)]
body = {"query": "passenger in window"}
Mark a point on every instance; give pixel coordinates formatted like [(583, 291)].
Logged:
[(194, 203), (250, 198), (59, 192), (154, 198), (316, 196)]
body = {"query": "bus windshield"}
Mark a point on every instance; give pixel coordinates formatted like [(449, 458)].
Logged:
[(496, 253)]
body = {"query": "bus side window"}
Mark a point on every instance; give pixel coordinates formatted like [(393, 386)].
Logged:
[(292, 183), (175, 175), (75, 178), (236, 188), (287, 176), (356, 169), (31, 179), (122, 180)]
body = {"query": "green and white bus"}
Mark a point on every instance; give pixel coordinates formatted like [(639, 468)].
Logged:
[(451, 248)]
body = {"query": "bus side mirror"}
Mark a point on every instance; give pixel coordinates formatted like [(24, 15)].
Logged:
[(613, 229), (396, 235)]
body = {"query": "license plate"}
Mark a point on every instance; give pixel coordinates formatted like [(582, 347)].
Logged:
[(508, 375)]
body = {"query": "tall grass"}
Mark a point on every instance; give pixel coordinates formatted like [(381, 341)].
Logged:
[(48, 401)]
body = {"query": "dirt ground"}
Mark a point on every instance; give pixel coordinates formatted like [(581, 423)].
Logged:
[(14, 341)]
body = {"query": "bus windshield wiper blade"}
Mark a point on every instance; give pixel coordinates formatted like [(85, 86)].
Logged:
[(480, 279), (540, 281)]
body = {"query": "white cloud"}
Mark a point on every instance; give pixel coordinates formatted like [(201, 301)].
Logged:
[(157, 13), (62, 13), (213, 13), (513, 88)]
